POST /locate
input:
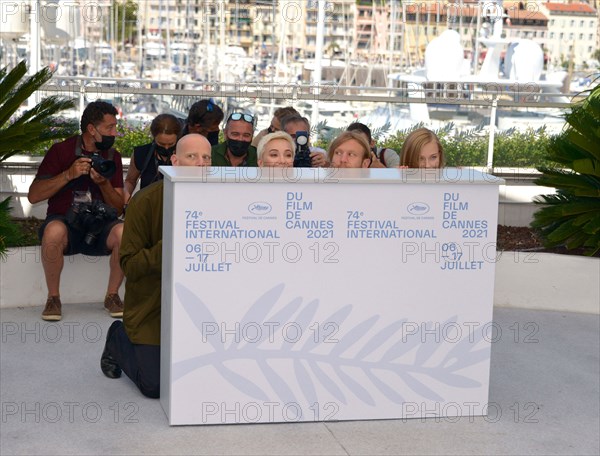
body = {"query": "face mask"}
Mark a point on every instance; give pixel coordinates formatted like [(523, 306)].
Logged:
[(164, 152), (213, 137), (106, 143), (238, 148)]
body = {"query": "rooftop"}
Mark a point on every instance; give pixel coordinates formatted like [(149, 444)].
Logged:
[(570, 7)]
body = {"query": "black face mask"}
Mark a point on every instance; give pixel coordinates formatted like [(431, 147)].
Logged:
[(106, 143), (164, 152), (213, 137), (238, 148)]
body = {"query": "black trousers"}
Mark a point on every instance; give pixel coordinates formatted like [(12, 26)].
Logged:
[(141, 363)]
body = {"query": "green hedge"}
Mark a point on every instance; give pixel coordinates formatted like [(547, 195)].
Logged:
[(128, 136), (512, 148)]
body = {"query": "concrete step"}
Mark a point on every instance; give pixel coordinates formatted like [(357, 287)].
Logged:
[(529, 280)]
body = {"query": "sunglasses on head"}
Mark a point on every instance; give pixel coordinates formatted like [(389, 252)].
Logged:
[(240, 116), (210, 106)]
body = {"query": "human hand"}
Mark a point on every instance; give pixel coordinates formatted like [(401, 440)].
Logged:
[(79, 167), (96, 177), (375, 162), (318, 160)]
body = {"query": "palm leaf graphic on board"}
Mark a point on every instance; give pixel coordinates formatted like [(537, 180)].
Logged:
[(311, 365)]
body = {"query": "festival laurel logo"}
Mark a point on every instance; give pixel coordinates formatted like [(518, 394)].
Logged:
[(313, 362)]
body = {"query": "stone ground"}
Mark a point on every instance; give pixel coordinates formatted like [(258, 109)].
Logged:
[(543, 399)]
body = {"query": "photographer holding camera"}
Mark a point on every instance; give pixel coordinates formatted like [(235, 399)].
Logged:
[(307, 156), (82, 179)]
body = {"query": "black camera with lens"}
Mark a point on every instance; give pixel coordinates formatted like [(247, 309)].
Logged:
[(106, 168), (302, 157), (90, 219)]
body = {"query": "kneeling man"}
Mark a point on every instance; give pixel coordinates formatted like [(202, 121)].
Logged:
[(133, 346)]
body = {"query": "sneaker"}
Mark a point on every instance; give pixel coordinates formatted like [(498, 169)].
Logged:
[(113, 305), (52, 311)]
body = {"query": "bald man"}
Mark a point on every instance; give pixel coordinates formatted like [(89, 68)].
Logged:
[(133, 345), (191, 151)]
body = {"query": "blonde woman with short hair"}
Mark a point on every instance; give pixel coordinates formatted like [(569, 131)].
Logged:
[(276, 150)]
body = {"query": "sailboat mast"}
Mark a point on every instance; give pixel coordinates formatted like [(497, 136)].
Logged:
[(477, 29), (206, 67), (123, 27), (318, 62), (34, 46), (34, 37), (139, 39), (168, 42), (392, 46)]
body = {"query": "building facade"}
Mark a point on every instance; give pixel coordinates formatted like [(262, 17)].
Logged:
[(572, 32), (370, 31)]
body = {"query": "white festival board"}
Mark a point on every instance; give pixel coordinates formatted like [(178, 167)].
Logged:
[(312, 295)]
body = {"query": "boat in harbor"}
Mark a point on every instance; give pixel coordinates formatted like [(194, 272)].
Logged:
[(436, 93)]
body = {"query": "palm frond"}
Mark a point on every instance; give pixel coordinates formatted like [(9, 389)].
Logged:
[(26, 132), (20, 95), (571, 217), (32, 127), (47, 107), (9, 80)]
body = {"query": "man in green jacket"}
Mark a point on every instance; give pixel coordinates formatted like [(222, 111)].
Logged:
[(133, 346), (237, 149)]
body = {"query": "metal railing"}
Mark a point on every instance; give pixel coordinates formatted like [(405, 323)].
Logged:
[(509, 94), (487, 98)]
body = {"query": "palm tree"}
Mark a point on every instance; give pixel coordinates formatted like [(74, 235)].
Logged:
[(571, 217), (21, 133)]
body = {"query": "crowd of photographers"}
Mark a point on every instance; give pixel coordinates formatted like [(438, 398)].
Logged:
[(82, 179)]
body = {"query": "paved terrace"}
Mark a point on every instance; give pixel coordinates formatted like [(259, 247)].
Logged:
[(544, 399)]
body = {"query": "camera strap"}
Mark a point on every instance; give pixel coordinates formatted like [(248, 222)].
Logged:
[(79, 150), (78, 153), (152, 155), (148, 157)]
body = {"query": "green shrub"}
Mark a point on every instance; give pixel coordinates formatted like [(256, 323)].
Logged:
[(10, 234), (68, 127), (571, 217), (24, 131), (468, 147), (129, 137), (526, 149)]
